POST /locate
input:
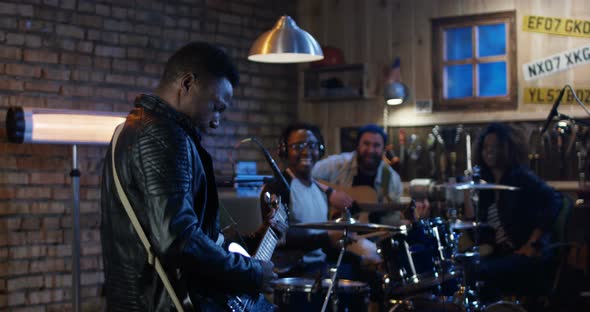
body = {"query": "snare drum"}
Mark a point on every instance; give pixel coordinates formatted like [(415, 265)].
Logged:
[(298, 294)]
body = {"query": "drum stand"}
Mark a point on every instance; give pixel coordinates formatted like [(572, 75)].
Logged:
[(344, 241), (467, 296)]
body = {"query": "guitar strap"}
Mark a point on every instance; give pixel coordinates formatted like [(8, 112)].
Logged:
[(152, 258)]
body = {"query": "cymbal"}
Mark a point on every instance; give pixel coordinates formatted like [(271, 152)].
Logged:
[(352, 226), (465, 225), (482, 185)]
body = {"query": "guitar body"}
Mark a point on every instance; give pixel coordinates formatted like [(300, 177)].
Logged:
[(363, 195), (247, 303), (237, 303), (366, 198), (257, 303)]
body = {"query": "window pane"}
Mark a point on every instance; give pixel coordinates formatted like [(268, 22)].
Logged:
[(491, 79), (458, 81), (458, 43), (491, 40)]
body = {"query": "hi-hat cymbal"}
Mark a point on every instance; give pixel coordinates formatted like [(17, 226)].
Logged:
[(465, 225), (482, 185), (352, 226)]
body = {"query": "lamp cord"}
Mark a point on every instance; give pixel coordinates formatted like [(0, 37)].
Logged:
[(576, 97)]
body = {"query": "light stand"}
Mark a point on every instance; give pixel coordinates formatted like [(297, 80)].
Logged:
[(75, 174), (51, 126)]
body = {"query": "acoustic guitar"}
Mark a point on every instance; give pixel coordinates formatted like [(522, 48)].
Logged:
[(366, 198)]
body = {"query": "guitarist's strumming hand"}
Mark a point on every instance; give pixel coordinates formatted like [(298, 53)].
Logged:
[(340, 200), (268, 275)]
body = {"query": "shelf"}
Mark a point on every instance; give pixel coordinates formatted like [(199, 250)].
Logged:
[(336, 68), (337, 98), (335, 83)]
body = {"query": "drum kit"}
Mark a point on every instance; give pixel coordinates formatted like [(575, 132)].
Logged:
[(423, 269)]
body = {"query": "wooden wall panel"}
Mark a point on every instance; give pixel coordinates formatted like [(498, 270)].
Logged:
[(373, 32)]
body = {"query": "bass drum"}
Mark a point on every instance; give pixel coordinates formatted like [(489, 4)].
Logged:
[(424, 304), (504, 306), (294, 294)]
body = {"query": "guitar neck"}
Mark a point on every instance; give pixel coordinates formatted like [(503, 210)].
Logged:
[(269, 241), (267, 246)]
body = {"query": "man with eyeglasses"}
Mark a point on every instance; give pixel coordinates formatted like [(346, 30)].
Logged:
[(308, 252)]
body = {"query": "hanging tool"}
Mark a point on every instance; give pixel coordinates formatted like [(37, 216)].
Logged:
[(414, 151), (431, 145), (443, 154), (415, 148), (563, 129), (469, 169), (535, 140), (402, 146)]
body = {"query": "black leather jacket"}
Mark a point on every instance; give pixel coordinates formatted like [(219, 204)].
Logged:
[(168, 178)]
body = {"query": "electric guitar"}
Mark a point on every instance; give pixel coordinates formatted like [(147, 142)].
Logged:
[(247, 303)]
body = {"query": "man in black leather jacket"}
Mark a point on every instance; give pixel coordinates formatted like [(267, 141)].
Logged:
[(168, 177)]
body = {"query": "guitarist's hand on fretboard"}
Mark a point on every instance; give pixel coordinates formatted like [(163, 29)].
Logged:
[(279, 225)]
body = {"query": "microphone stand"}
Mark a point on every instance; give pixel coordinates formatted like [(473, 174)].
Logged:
[(273, 165)]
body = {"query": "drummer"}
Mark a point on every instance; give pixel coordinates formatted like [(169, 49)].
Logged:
[(308, 252), (522, 219)]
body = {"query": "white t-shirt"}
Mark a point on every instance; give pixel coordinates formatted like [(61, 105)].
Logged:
[(308, 204)]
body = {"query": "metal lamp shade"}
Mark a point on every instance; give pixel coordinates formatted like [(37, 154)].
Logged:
[(285, 43), (396, 93)]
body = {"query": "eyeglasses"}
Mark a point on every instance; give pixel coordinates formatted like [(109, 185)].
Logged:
[(300, 146)]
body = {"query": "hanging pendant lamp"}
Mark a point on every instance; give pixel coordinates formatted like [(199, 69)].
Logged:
[(285, 43)]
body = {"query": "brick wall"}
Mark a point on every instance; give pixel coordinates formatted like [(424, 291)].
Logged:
[(98, 55)]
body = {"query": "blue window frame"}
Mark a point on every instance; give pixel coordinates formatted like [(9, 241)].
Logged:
[(474, 61)]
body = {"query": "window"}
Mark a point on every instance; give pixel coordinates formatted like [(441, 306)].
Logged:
[(474, 61)]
